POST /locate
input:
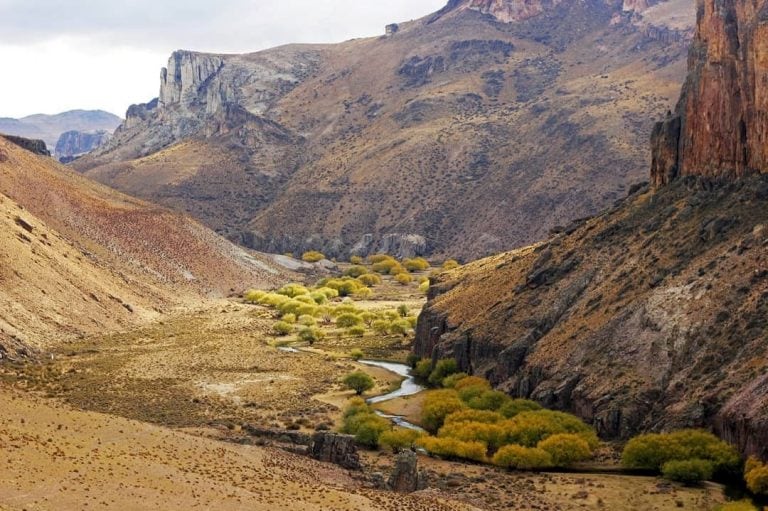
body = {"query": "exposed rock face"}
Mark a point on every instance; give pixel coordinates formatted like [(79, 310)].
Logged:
[(651, 316), (337, 449), (50, 127), (400, 245), (512, 11), (34, 146), (436, 132), (406, 477), (722, 112), (72, 144)]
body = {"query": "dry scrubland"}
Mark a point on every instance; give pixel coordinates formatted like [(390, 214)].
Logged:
[(77, 426)]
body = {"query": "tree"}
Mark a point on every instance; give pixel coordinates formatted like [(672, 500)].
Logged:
[(359, 382), (443, 368)]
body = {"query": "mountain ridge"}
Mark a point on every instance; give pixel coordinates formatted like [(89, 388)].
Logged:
[(411, 135)]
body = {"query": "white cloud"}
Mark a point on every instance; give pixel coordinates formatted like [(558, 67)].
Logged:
[(97, 54)]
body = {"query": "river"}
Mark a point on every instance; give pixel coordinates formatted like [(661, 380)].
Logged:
[(409, 387)]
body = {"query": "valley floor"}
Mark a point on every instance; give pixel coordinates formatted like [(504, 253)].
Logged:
[(152, 418)]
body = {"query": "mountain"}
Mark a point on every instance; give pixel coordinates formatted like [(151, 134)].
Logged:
[(653, 315), (50, 127), (469, 131), (72, 144), (79, 258)]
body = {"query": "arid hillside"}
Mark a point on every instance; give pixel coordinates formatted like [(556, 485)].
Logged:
[(464, 133), (652, 315), (79, 258)]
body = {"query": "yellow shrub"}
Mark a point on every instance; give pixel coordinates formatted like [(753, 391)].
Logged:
[(491, 435), (438, 404), (450, 448), (399, 439), (566, 449), (313, 256), (474, 416), (756, 476), (416, 264), (522, 458)]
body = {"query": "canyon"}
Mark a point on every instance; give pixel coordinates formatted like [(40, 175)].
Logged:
[(651, 315)]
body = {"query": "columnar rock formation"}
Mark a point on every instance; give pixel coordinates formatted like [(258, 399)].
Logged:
[(720, 127)]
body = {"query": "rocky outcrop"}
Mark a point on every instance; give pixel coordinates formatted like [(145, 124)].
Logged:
[(722, 111), (138, 114), (337, 449), (406, 477), (72, 144), (34, 146), (400, 245)]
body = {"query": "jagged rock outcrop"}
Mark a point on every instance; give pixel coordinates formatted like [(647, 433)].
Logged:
[(722, 119), (34, 146), (72, 144), (406, 477), (337, 449), (436, 131), (512, 11)]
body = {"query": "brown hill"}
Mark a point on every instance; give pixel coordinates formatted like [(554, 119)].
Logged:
[(80, 258), (434, 131), (652, 315)]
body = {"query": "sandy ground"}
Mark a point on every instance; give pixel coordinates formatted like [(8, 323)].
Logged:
[(56, 458)]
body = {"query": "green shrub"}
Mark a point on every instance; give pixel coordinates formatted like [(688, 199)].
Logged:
[(370, 279), (451, 264), (388, 266), (530, 428), (356, 354), (359, 382), (439, 404), (253, 295), (356, 331), (489, 400), (412, 360), (423, 369), (356, 260), (310, 335), (689, 471), (518, 457), (282, 328), (348, 320), (307, 320), (318, 297), (491, 435), (329, 292), (313, 256), (363, 293), (416, 264), (402, 310), (293, 290), (400, 327), (289, 318), (377, 258), (517, 406), (306, 309), (368, 430), (381, 326), (443, 369), (306, 299), (403, 278), (474, 416), (449, 382), (653, 450), (756, 476), (566, 449), (356, 271), (450, 448), (399, 439)]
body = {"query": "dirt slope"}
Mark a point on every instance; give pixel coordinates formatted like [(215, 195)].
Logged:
[(80, 258), (473, 134)]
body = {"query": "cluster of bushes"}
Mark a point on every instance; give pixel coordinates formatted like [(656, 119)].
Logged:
[(687, 456), (470, 420), (361, 421), (756, 476)]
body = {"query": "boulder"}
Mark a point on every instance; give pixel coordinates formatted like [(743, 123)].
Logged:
[(334, 448), (406, 477)]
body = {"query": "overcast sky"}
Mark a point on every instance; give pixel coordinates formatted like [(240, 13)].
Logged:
[(59, 55)]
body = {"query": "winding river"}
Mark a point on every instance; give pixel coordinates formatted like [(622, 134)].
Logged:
[(409, 387)]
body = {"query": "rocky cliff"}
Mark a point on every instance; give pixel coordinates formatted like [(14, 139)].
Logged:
[(429, 139), (652, 315), (72, 144), (50, 127), (720, 126)]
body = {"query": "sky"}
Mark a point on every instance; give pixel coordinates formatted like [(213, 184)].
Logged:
[(60, 55)]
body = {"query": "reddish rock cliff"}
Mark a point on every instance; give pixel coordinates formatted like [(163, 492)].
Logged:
[(720, 128)]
